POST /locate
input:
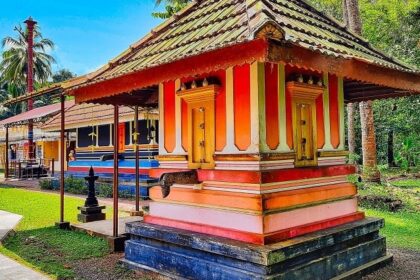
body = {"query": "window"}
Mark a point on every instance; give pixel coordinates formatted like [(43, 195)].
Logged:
[(83, 137), (104, 135)]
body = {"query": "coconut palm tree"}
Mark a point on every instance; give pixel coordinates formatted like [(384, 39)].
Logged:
[(13, 67)]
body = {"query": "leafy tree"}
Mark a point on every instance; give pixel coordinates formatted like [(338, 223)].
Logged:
[(171, 8), (62, 75), (394, 27), (13, 67)]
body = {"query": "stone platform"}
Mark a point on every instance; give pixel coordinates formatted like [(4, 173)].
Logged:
[(345, 252)]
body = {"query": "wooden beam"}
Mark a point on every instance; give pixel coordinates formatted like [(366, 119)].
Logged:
[(347, 68), (247, 52)]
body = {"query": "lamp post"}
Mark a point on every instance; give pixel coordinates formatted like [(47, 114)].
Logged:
[(30, 24)]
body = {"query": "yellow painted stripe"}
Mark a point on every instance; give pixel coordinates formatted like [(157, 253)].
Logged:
[(327, 124), (283, 147)]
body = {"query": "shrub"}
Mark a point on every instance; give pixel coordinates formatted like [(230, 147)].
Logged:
[(103, 190), (46, 184), (75, 185)]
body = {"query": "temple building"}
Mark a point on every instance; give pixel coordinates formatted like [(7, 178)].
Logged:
[(93, 143), (251, 141), (45, 143)]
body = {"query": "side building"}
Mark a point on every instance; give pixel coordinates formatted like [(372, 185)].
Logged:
[(92, 145)]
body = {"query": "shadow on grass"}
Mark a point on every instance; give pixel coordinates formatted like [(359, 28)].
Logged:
[(55, 251)]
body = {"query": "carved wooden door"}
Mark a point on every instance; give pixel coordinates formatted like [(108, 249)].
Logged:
[(201, 135), (305, 135)]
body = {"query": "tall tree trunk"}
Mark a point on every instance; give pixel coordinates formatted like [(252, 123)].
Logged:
[(351, 141), (352, 15), (370, 169), (350, 128), (391, 161)]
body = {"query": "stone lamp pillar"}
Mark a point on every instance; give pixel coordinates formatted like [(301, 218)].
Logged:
[(91, 211)]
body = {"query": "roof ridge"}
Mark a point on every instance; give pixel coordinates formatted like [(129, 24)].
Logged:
[(366, 43)]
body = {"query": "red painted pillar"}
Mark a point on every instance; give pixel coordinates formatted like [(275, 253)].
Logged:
[(115, 179), (6, 164), (30, 23)]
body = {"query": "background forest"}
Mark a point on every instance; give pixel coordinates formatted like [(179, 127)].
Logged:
[(392, 26)]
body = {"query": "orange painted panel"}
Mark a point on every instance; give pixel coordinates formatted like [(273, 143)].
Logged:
[(305, 196), (272, 105), (210, 198), (289, 120), (334, 111), (169, 115), (242, 105), (320, 122), (221, 112), (121, 137), (184, 124)]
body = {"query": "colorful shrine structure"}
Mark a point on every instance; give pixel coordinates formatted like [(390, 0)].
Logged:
[(251, 104)]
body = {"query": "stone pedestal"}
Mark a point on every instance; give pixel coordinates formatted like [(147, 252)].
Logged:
[(90, 214), (346, 252)]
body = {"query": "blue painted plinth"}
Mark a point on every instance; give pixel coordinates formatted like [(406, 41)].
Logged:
[(355, 247)]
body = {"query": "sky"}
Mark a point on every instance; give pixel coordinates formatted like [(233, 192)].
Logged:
[(87, 34)]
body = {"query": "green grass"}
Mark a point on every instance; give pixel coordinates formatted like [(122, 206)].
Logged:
[(413, 184), (402, 229), (37, 242)]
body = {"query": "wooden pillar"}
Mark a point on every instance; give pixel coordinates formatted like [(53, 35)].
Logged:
[(62, 224), (62, 151), (6, 164), (115, 178), (136, 151)]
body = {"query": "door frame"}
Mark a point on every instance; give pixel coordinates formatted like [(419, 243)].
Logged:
[(305, 93), (193, 97)]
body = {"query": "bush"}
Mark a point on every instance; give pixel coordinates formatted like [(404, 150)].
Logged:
[(75, 185), (46, 184), (103, 190)]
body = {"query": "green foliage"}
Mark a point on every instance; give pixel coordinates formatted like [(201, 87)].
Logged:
[(104, 190), (171, 8), (408, 154), (75, 185), (393, 27), (62, 75), (13, 67)]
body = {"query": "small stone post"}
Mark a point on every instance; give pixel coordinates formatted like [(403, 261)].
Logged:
[(91, 211)]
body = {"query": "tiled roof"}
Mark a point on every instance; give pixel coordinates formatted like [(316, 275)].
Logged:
[(36, 114), (87, 114), (212, 24)]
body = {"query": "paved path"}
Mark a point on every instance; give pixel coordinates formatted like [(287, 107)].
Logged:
[(8, 222), (10, 269)]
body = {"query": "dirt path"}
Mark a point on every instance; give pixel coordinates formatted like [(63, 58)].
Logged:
[(406, 266)]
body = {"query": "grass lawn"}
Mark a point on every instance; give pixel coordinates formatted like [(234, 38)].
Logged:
[(402, 229), (37, 242)]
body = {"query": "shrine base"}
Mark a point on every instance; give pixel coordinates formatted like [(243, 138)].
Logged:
[(346, 252)]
